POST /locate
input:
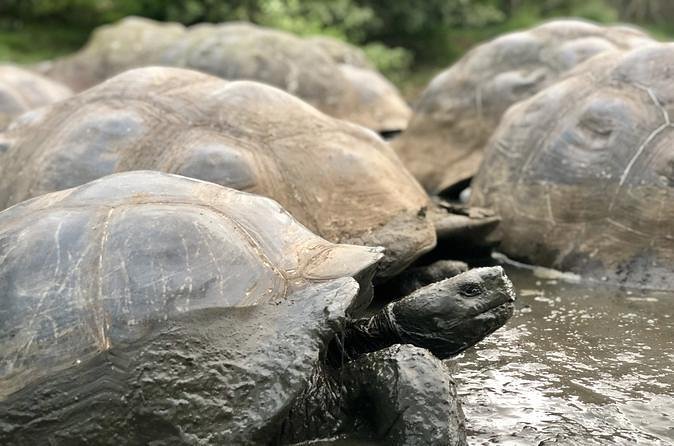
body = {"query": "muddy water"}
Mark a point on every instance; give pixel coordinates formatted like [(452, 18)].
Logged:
[(578, 364)]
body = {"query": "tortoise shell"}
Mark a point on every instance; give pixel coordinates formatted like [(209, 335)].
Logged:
[(22, 90), (340, 180), (307, 68), (91, 268), (582, 173), (462, 106)]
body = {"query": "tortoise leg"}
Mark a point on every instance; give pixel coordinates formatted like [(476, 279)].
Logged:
[(318, 412), (464, 229), (405, 396), (401, 395)]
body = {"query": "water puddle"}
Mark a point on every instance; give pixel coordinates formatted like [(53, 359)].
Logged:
[(577, 364)]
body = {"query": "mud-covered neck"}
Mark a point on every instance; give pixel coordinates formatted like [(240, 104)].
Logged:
[(364, 335)]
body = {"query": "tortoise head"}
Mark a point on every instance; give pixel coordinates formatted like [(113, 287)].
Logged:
[(449, 316)]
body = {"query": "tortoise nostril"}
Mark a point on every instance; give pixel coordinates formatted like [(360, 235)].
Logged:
[(511, 296), (493, 273), (496, 278)]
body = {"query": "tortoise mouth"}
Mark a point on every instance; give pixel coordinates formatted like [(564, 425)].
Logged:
[(498, 311), (505, 305), (503, 300), (500, 301), (476, 328)]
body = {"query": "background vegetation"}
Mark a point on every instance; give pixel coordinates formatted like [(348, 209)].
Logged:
[(396, 34)]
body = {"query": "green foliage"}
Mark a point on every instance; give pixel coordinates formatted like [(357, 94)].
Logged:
[(33, 43), (394, 63), (395, 34), (426, 28), (343, 19), (529, 12), (395, 22), (339, 18)]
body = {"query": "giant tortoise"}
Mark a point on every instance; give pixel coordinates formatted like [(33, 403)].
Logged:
[(583, 173), (340, 51), (314, 70), (145, 308), (22, 90), (339, 179), (462, 106)]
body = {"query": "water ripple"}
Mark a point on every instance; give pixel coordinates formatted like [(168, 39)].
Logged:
[(577, 365)]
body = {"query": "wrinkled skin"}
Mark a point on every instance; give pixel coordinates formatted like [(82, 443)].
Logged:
[(462, 106), (166, 309), (581, 173), (21, 90), (445, 317), (449, 316), (338, 179), (308, 68)]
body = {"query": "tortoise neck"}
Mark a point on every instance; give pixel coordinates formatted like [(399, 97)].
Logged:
[(364, 335)]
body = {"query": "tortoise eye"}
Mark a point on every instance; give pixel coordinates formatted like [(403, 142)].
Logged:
[(470, 289)]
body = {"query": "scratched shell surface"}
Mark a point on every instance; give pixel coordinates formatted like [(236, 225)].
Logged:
[(583, 173), (210, 376), (461, 107), (308, 68), (338, 179), (22, 90), (86, 268)]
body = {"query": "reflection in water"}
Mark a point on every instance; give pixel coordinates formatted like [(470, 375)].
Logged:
[(577, 364)]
